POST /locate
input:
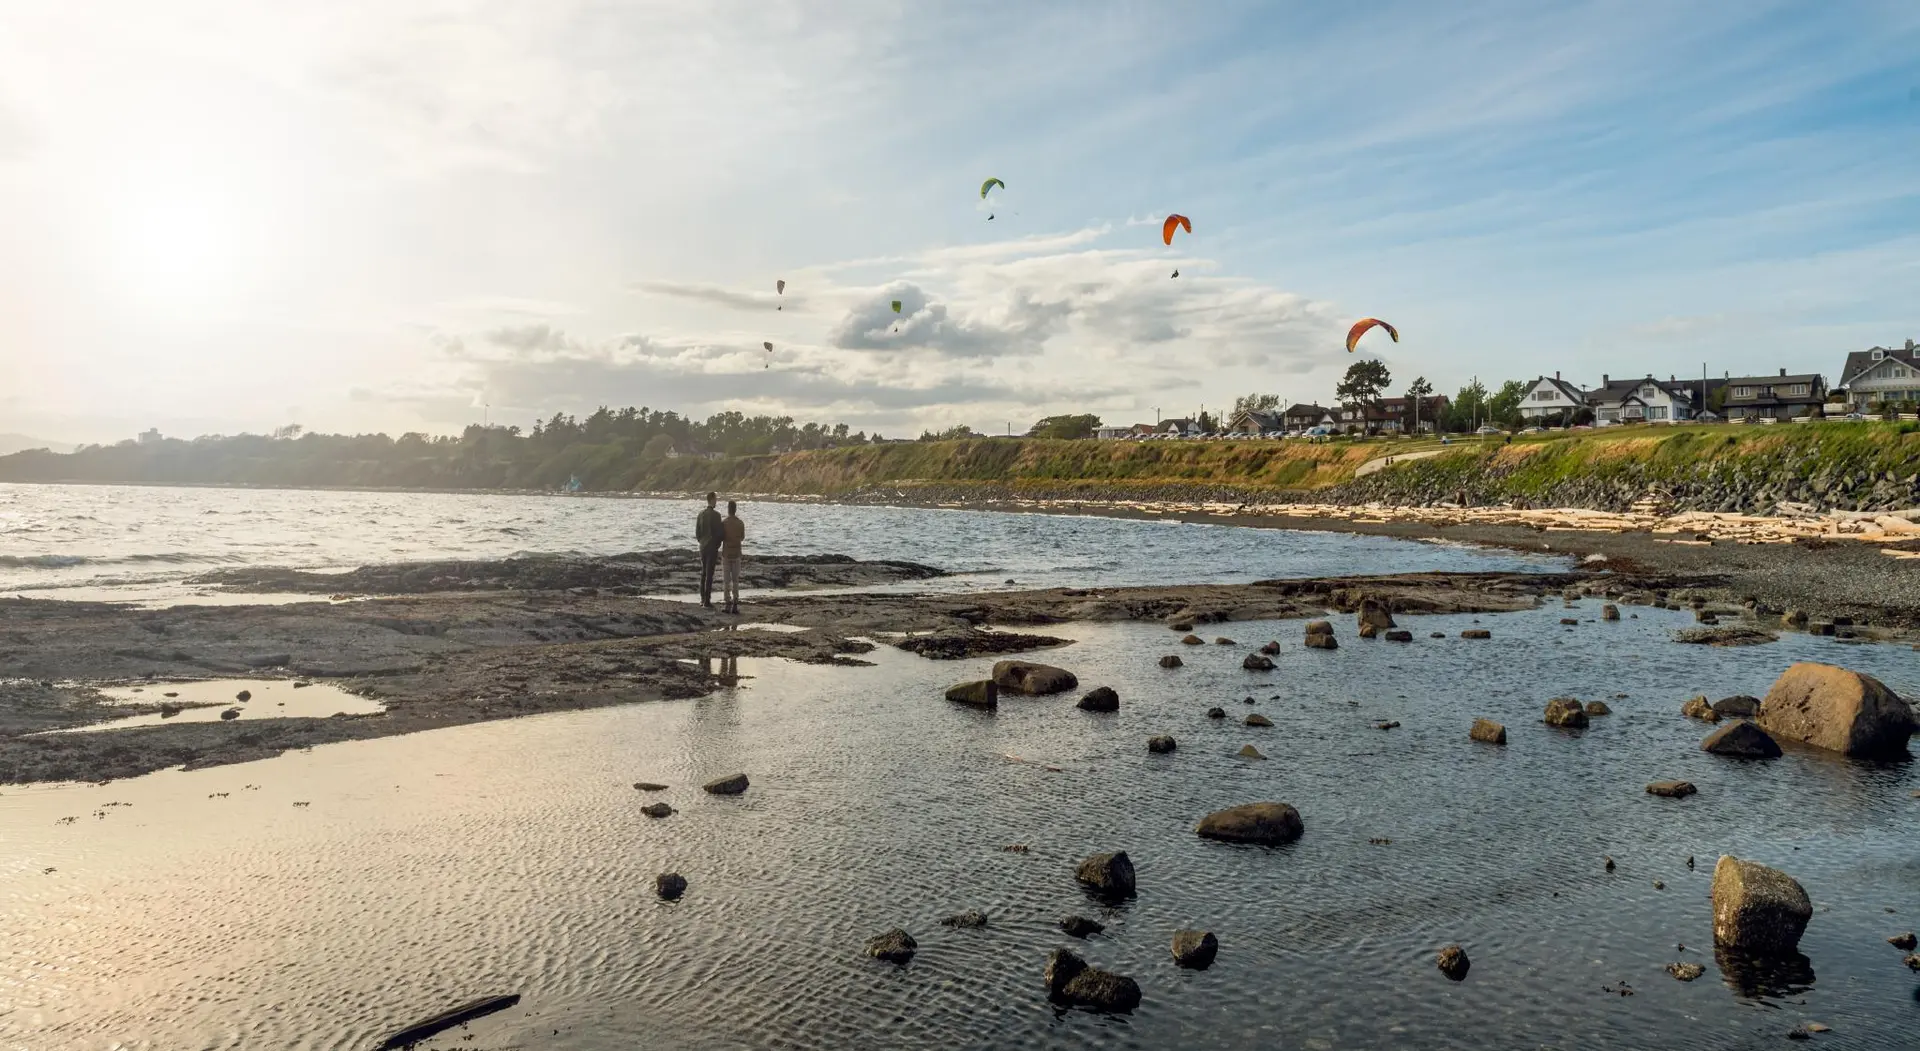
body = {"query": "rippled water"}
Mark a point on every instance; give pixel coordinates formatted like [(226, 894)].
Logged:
[(141, 542), (512, 856)]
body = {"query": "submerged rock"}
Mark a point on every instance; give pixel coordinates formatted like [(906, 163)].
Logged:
[(1322, 642), (1250, 752), (1598, 708), (230, 713), (1739, 706), (1757, 908), (1161, 744), (981, 693), (1399, 635), (1033, 679), (1195, 949), (1224, 641), (1070, 980), (1171, 660), (1193, 640), (1216, 713), (670, 885), (1742, 740), (1565, 712), (1256, 719), (243, 696), (1107, 873), (1686, 972), (1265, 823), (649, 786), (1671, 789), (1728, 636), (1453, 962), (727, 786), (972, 919), (1257, 662), (1100, 699), (1271, 649), (1080, 926), (657, 810), (1476, 633), (1487, 730), (895, 946), (1903, 941), (1838, 710)]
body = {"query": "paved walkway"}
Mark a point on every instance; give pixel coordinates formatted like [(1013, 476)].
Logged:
[(1374, 465)]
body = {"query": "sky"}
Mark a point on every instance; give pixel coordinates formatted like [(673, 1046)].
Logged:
[(395, 215)]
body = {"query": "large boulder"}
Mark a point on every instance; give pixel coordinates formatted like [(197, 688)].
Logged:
[(1107, 873), (895, 946), (1266, 823), (1566, 712), (731, 785), (1100, 699), (1070, 980), (1195, 949), (1257, 662), (1839, 710), (979, 694), (1756, 908), (1033, 679), (1374, 613), (1489, 731), (1742, 740)]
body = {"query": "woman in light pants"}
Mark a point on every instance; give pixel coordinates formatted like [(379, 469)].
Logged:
[(733, 531)]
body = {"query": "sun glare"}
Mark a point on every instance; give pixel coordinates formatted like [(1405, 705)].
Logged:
[(181, 251)]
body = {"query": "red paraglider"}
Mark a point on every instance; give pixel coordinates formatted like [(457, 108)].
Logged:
[(1360, 328)]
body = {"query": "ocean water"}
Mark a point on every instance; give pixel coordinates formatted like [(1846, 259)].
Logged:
[(323, 899)]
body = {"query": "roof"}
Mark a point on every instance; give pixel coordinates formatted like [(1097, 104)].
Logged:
[(1812, 397), (1861, 360), (1809, 378), (1617, 391), (1265, 418), (1181, 421), (1303, 409), (1567, 390)]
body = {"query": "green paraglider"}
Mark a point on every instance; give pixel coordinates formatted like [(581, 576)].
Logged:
[(896, 306), (988, 185)]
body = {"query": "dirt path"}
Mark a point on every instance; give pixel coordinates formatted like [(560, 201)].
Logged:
[(1374, 465)]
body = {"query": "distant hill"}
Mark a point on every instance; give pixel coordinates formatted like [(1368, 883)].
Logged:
[(13, 443)]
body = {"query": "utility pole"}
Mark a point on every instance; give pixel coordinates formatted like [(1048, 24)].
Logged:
[(1703, 390)]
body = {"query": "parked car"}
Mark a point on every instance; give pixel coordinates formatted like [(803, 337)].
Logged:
[(1488, 428)]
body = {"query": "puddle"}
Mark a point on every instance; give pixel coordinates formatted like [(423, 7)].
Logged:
[(784, 629), (204, 701)]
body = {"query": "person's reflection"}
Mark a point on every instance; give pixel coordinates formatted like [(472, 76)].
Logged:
[(727, 671)]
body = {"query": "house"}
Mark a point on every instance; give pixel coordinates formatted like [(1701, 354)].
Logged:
[(1397, 415), (1779, 397), (1182, 428), (1644, 400), (1552, 397), (1257, 422), (1110, 433), (1880, 375), (150, 436), (1300, 417)]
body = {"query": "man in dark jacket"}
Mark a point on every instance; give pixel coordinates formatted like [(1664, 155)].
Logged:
[(709, 530)]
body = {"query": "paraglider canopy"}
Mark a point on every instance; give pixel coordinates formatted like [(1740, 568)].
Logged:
[(780, 285), (769, 346), (896, 306), (988, 185), (1360, 328), (1174, 222)]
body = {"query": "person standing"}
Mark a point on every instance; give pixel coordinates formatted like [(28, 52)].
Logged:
[(733, 532), (707, 530)]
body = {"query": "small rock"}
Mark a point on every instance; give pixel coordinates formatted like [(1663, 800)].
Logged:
[(1107, 873), (1698, 708), (1367, 631), (1912, 962), (1686, 972), (230, 713), (1250, 752), (1319, 627), (1256, 719), (1080, 926), (1388, 725), (1100, 699), (1193, 640), (1161, 744), (1069, 979), (1216, 713), (657, 810), (1739, 706), (1181, 625), (1657, 885), (1570, 621), (1598, 708), (979, 694), (1399, 635), (297, 686), (1487, 730), (670, 885), (1195, 949), (727, 786), (895, 946), (1033, 679), (1265, 823), (1609, 865), (1476, 633), (1741, 740), (1257, 662), (972, 919), (1671, 789), (1170, 661), (1565, 712), (1015, 848), (649, 786), (1799, 1032), (1322, 642), (1454, 963), (1902, 941), (1437, 635), (1609, 612), (1270, 649), (1223, 641), (243, 696)]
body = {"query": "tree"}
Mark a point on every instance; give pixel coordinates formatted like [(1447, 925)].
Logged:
[(1363, 383), (1504, 407), (1417, 390), (1080, 426), (657, 448), (1254, 403), (290, 431), (1469, 407), (1205, 422), (951, 434)]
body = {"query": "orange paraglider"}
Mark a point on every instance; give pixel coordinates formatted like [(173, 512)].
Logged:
[(1360, 328), (1174, 222)]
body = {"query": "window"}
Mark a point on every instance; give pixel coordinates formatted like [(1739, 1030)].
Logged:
[(1798, 388), (1743, 392), (1657, 412)]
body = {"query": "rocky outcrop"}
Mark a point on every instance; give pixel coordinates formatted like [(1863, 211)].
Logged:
[(1671, 789), (1033, 679), (1100, 699), (1069, 980), (1081, 927), (1487, 730), (1110, 874), (1269, 824), (727, 786), (1757, 908), (1742, 740), (895, 946), (1257, 662), (1729, 636), (1598, 708), (1161, 744), (670, 885), (1838, 710), (1567, 713), (1195, 949), (1739, 706), (1453, 962), (979, 694), (959, 645), (1171, 660), (1698, 708)]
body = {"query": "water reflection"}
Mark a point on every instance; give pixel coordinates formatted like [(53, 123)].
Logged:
[(1759, 975)]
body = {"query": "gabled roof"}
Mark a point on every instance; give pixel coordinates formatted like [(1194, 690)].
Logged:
[(1304, 409), (1265, 419), (1180, 421), (1616, 391), (1567, 390), (1809, 378), (1861, 360)]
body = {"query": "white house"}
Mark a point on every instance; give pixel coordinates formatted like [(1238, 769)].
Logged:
[(1644, 400), (1182, 427), (1256, 422), (1552, 396), (1881, 374), (1110, 433)]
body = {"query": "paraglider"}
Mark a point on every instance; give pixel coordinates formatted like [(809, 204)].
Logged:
[(1176, 273), (1174, 222), (1360, 328), (988, 185), (779, 289), (769, 347), (896, 306)]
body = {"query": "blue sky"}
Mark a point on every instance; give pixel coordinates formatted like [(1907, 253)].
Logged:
[(374, 215)]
